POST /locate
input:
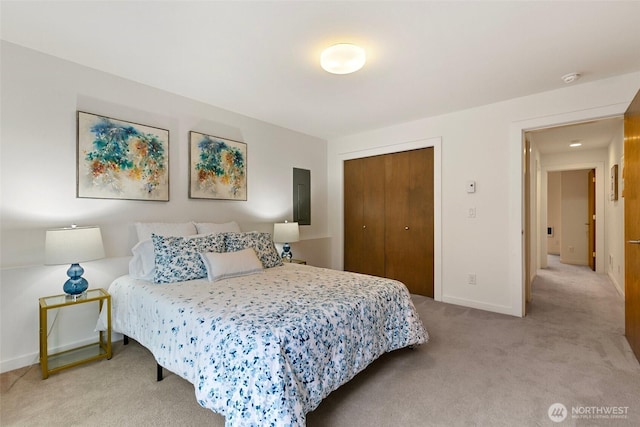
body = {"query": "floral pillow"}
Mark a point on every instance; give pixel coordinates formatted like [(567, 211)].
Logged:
[(260, 242), (178, 259)]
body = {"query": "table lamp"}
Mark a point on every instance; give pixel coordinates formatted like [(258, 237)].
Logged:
[(73, 245), (286, 232)]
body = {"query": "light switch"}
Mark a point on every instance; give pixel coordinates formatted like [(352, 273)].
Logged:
[(471, 186)]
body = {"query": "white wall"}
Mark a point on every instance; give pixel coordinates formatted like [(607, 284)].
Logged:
[(614, 215), (574, 246), (554, 211), (40, 97), (483, 144)]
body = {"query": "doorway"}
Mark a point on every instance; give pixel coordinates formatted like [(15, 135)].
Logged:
[(570, 216), (518, 263), (551, 151)]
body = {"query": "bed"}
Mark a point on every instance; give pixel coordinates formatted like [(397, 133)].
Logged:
[(264, 348)]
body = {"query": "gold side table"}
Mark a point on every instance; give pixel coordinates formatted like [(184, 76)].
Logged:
[(52, 363)]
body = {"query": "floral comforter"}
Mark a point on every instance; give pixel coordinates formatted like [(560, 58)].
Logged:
[(265, 349)]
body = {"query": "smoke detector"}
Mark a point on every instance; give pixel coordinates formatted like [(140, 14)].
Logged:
[(570, 78)]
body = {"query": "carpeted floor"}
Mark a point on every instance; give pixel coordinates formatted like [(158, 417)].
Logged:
[(479, 368)]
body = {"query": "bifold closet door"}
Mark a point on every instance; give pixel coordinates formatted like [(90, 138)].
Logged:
[(409, 236), (364, 215)]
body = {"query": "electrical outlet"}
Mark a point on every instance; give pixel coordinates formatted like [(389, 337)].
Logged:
[(471, 278), (472, 212)]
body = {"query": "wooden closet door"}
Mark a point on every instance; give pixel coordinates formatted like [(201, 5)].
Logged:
[(364, 215), (409, 219), (632, 224)]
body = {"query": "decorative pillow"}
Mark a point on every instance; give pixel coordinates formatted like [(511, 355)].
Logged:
[(178, 259), (260, 242), (210, 227), (143, 264), (231, 264), (146, 229)]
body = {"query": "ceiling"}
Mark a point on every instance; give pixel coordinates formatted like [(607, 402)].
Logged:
[(593, 135), (261, 59)]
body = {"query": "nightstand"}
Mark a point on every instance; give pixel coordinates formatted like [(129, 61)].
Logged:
[(52, 363), (298, 261)]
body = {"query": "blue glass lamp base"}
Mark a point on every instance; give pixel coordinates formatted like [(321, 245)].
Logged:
[(286, 252), (76, 284)]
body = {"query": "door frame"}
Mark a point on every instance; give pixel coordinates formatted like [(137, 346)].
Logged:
[(436, 143), (516, 223), (591, 219), (600, 206)]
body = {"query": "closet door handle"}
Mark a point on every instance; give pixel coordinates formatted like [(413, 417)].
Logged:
[(364, 226), (634, 242), (407, 227)]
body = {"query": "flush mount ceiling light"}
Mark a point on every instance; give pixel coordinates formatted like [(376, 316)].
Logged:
[(570, 78), (343, 58), (575, 143)]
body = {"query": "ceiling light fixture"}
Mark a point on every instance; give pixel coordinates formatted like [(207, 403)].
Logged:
[(343, 58), (570, 78), (575, 144)]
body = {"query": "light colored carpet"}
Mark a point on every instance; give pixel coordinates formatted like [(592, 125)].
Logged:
[(479, 368)]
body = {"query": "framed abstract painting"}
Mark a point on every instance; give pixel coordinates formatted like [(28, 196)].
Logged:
[(121, 160), (218, 168)]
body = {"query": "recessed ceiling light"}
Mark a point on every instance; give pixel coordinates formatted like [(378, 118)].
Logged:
[(575, 144), (570, 78), (343, 58)]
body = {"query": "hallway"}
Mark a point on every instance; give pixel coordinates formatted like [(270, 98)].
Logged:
[(562, 289), (589, 309)]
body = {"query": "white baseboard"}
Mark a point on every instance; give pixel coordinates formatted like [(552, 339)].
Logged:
[(19, 362), (619, 288), (573, 261), (502, 309), (34, 358)]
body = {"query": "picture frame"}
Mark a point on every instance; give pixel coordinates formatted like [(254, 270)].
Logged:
[(118, 159), (614, 183), (217, 168)]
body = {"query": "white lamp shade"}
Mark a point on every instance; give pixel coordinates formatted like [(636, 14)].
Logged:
[(73, 245), (343, 58), (286, 232)]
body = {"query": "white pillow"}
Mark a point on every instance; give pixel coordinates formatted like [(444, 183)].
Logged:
[(181, 229), (210, 227), (143, 264), (231, 264)]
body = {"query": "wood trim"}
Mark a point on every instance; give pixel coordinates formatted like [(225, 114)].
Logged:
[(632, 223)]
